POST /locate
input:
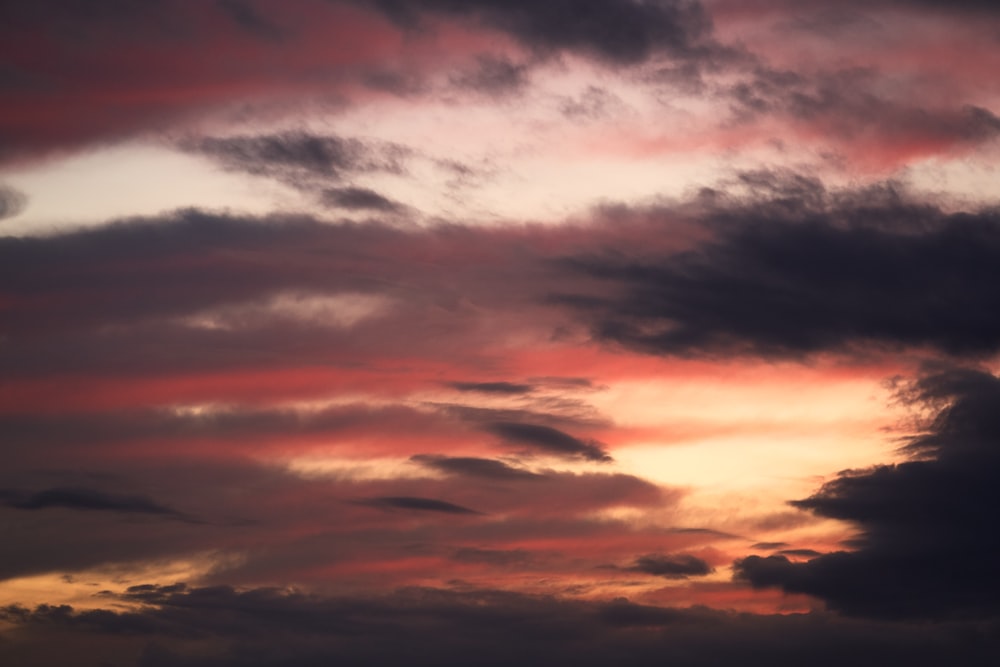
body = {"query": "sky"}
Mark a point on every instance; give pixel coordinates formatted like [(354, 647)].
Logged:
[(451, 332)]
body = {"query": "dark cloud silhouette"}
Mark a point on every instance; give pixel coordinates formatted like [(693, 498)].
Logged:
[(618, 31), (358, 199), (501, 557), (264, 627), (672, 566), (802, 553), (475, 467), (502, 388), (300, 158), (416, 504), (12, 202), (248, 16), (927, 548), (770, 546), (804, 271), (549, 440), (88, 500)]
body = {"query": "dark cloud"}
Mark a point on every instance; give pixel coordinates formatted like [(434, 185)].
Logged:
[(492, 75), (358, 199), (672, 566), (502, 388), (247, 15), (619, 31), (416, 504), (927, 547), (549, 440), (244, 428), (805, 271), (193, 290), (801, 553), (299, 158), (500, 557), (261, 627), (769, 546), (12, 202), (853, 105), (475, 467), (87, 499)]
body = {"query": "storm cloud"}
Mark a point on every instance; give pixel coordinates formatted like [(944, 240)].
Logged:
[(806, 271), (925, 546)]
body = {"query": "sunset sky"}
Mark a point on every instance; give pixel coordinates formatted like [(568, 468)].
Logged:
[(499, 332)]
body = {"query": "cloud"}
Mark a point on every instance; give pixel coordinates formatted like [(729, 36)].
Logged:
[(854, 110), (266, 627), (926, 547), (416, 504), (246, 14), (358, 199), (770, 546), (672, 566), (300, 158), (768, 277), (549, 440), (617, 31), (803, 271), (500, 388), (170, 64), (12, 202), (88, 500), (802, 553), (497, 557), (475, 467), (493, 76)]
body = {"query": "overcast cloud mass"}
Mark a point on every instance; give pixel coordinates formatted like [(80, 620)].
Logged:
[(451, 332)]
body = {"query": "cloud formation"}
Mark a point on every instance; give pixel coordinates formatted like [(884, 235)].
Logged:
[(264, 627), (672, 566), (620, 31), (925, 545), (87, 499), (807, 271), (549, 440), (12, 202), (416, 504)]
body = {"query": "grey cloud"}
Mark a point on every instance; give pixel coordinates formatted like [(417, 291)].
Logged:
[(475, 467), (88, 500), (492, 75), (927, 547), (618, 31), (501, 388), (298, 158), (12, 202), (500, 557), (264, 627), (769, 546), (852, 104), (803, 271), (247, 15), (549, 440), (671, 566), (358, 199), (416, 504)]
